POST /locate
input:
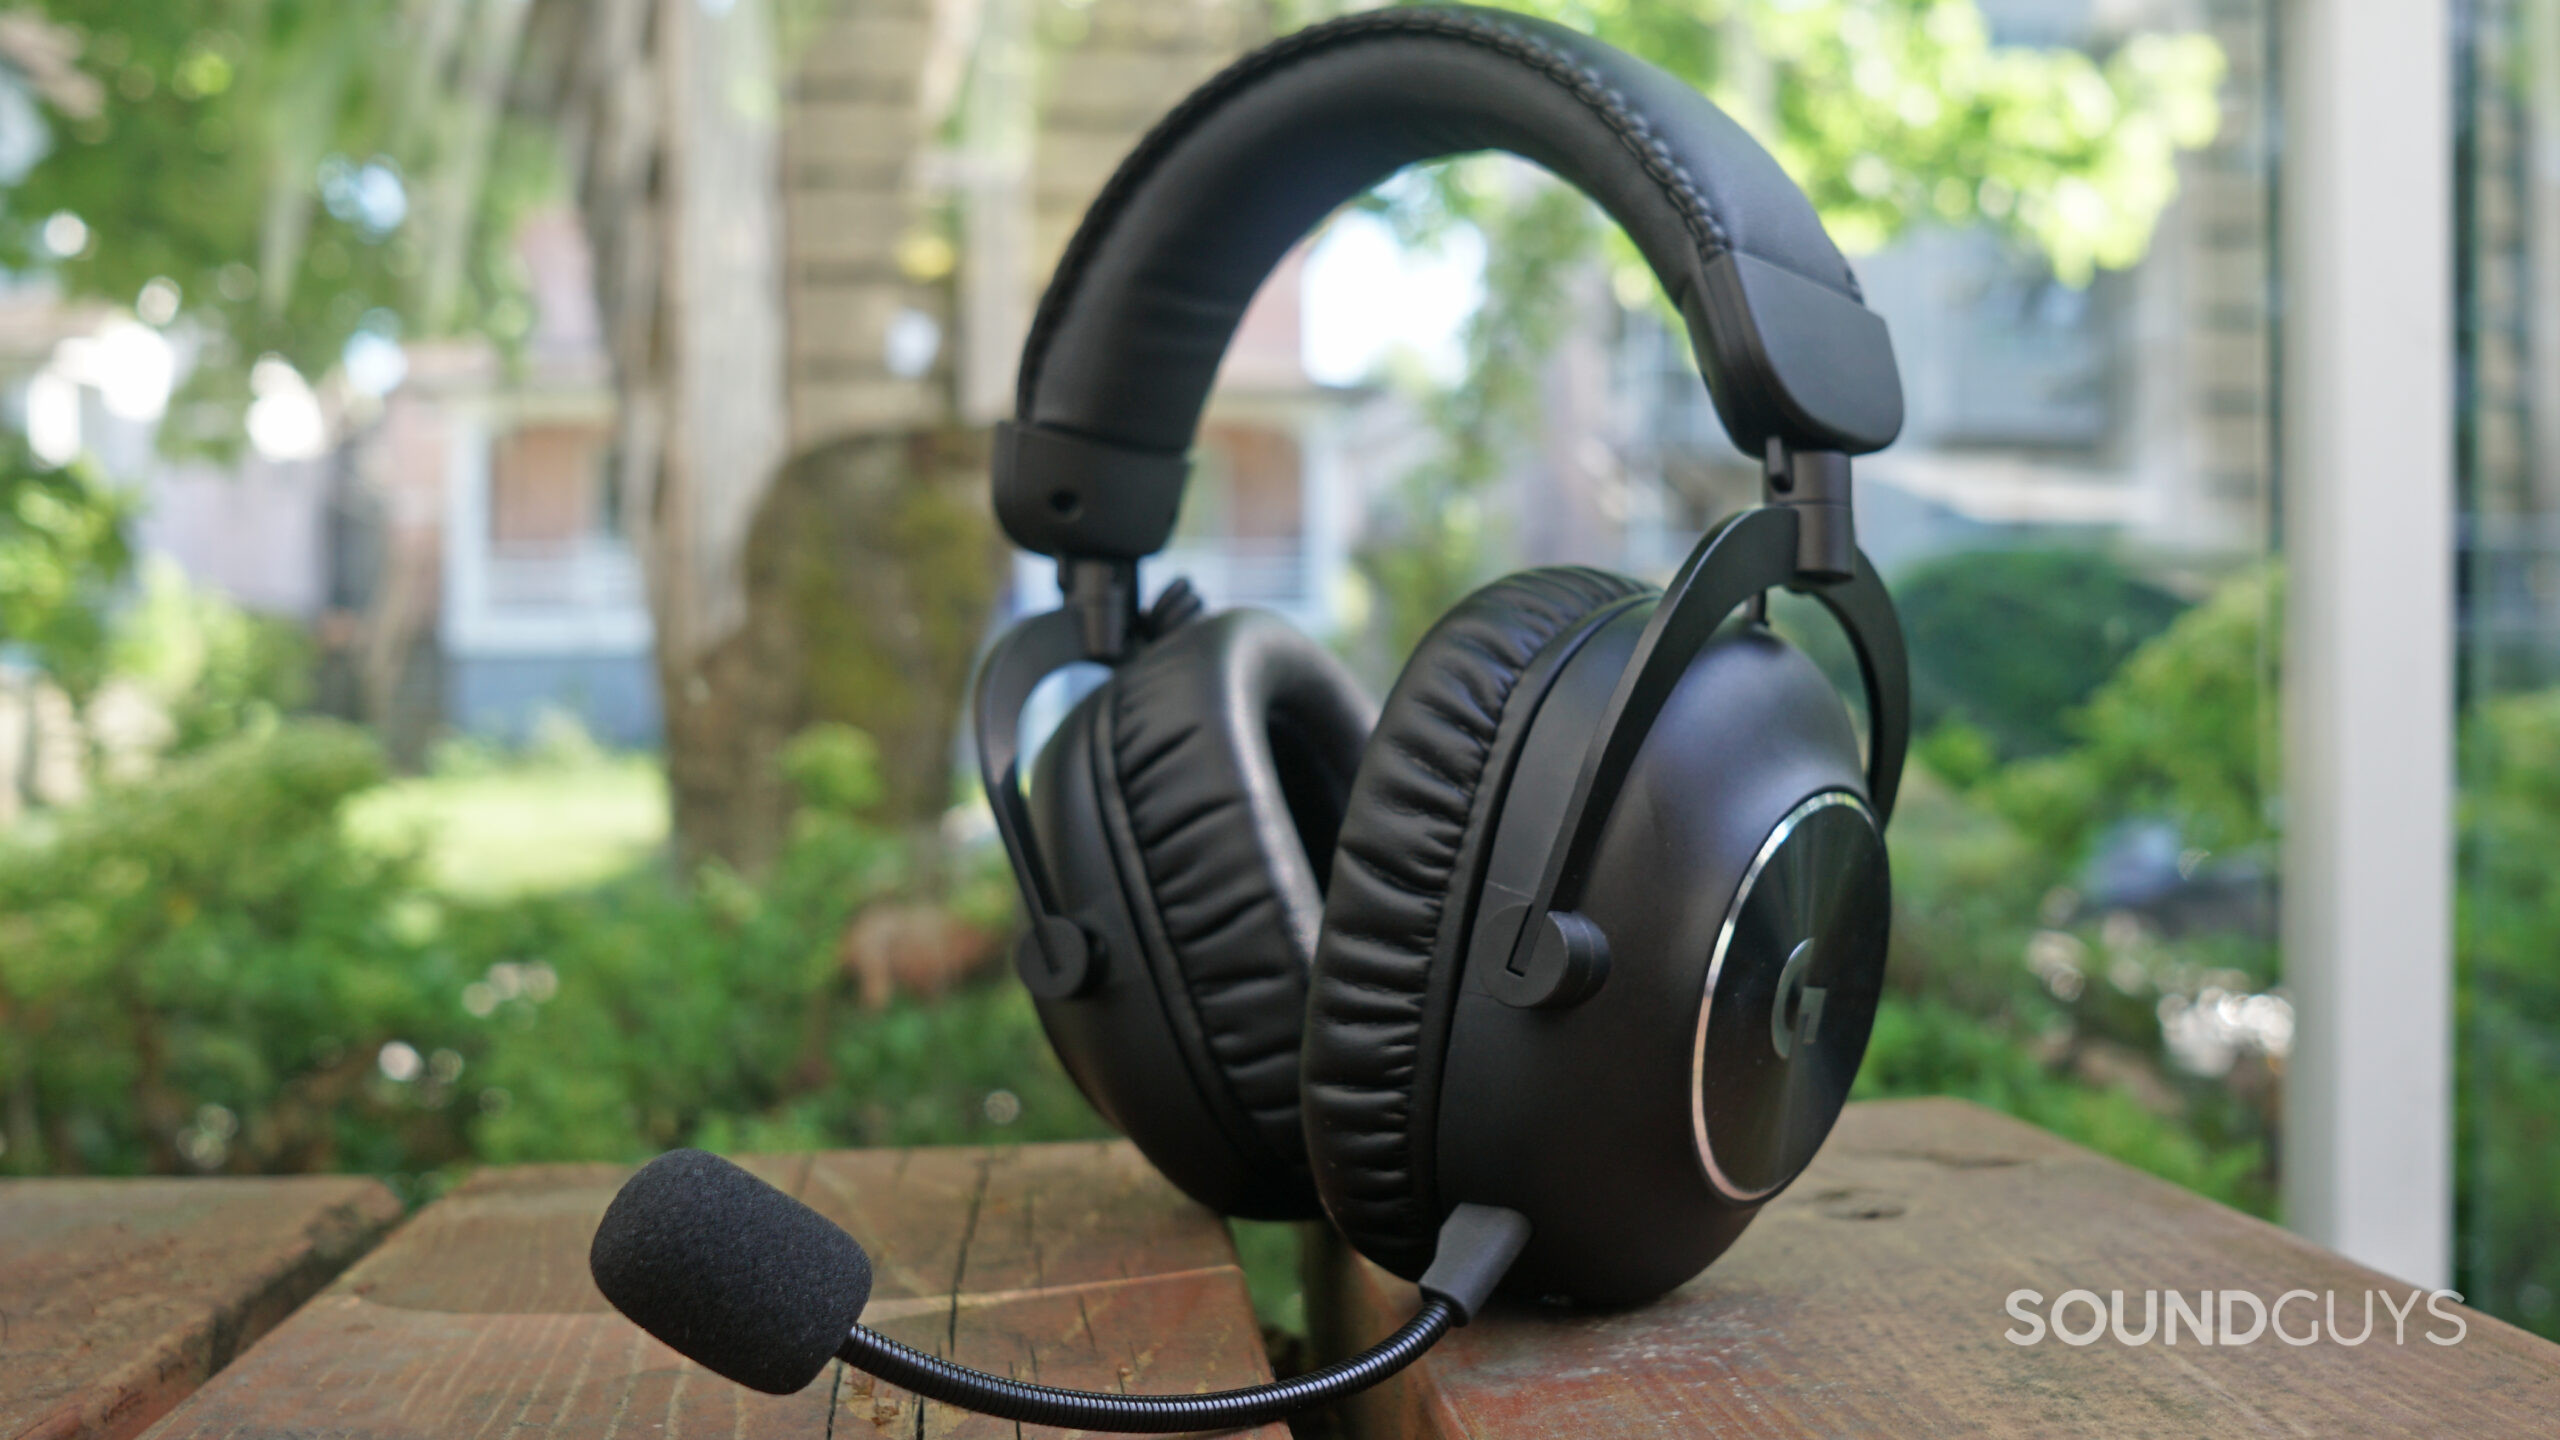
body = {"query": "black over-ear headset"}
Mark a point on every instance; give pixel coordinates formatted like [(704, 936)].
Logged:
[(1553, 975)]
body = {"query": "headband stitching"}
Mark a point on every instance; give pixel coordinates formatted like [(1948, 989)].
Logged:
[(1706, 228)]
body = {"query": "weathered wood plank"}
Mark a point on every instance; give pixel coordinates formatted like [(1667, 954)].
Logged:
[(1869, 1300), (119, 1297), (1070, 1264)]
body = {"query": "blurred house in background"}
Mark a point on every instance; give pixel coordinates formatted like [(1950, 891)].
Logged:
[(1279, 474), (466, 557), (451, 545), (541, 603), (1274, 501)]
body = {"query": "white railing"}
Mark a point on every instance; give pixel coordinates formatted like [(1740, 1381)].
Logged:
[(591, 573)]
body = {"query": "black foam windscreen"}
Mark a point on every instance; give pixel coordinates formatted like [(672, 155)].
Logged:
[(739, 1277)]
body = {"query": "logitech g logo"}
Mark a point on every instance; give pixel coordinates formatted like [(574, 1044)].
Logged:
[(1798, 1010)]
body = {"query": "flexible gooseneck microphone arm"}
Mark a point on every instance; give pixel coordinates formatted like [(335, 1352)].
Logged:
[(937, 1379), (751, 1283)]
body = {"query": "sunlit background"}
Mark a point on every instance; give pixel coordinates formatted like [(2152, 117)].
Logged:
[(492, 541)]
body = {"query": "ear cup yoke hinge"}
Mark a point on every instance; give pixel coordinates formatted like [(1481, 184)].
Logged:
[(1815, 485), (1057, 957), (1544, 953)]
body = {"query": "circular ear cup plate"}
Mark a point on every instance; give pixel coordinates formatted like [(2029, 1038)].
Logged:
[(1233, 742), (1778, 1045), (1402, 897)]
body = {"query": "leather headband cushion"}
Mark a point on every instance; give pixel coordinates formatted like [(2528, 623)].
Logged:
[(1235, 740), (1399, 907), (1129, 334)]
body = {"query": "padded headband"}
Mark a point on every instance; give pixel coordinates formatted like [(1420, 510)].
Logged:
[(1126, 343)]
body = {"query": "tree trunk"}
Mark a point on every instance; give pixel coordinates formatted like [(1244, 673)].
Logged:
[(669, 115), (873, 566)]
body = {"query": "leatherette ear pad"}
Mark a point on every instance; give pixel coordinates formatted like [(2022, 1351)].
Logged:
[(1228, 749), (1396, 903)]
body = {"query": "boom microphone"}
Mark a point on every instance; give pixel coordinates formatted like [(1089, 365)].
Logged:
[(756, 1286), (729, 1271)]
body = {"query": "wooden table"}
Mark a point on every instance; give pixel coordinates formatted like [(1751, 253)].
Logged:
[(118, 1297), (1068, 1264), (1869, 1301)]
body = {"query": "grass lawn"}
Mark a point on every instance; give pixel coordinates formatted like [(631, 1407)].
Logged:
[(522, 830)]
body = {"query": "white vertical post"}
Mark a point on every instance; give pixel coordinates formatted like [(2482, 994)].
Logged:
[(2367, 195), (465, 600)]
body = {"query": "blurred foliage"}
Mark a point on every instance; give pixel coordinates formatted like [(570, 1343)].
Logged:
[(835, 769), (2507, 1015), (2007, 985), (2185, 728), (300, 171), (1889, 113), (202, 954), (204, 971), (1925, 1045), (2078, 1051), (1899, 112), (62, 550), (1425, 542), (2064, 619), (1895, 112), (214, 669)]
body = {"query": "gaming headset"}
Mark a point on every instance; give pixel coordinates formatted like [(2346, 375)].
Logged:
[(1544, 977)]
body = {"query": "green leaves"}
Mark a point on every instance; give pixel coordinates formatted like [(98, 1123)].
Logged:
[(205, 970), (2186, 728), (2008, 642), (249, 151), (2508, 1003), (62, 549), (1895, 112), (1890, 113)]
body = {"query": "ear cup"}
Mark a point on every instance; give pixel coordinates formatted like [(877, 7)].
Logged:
[(1402, 897), (1233, 743)]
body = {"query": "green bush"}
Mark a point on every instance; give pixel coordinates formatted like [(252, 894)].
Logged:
[(2006, 643), (2185, 728), (214, 668), (721, 1015), (1926, 1046), (2507, 1050), (197, 971), (62, 549), (2010, 989), (203, 971)]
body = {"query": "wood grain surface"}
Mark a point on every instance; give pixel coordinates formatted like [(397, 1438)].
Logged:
[(1868, 1300), (1066, 1264), (119, 1297)]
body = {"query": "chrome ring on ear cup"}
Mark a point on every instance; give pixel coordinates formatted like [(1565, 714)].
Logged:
[(1579, 1118), (1816, 893)]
